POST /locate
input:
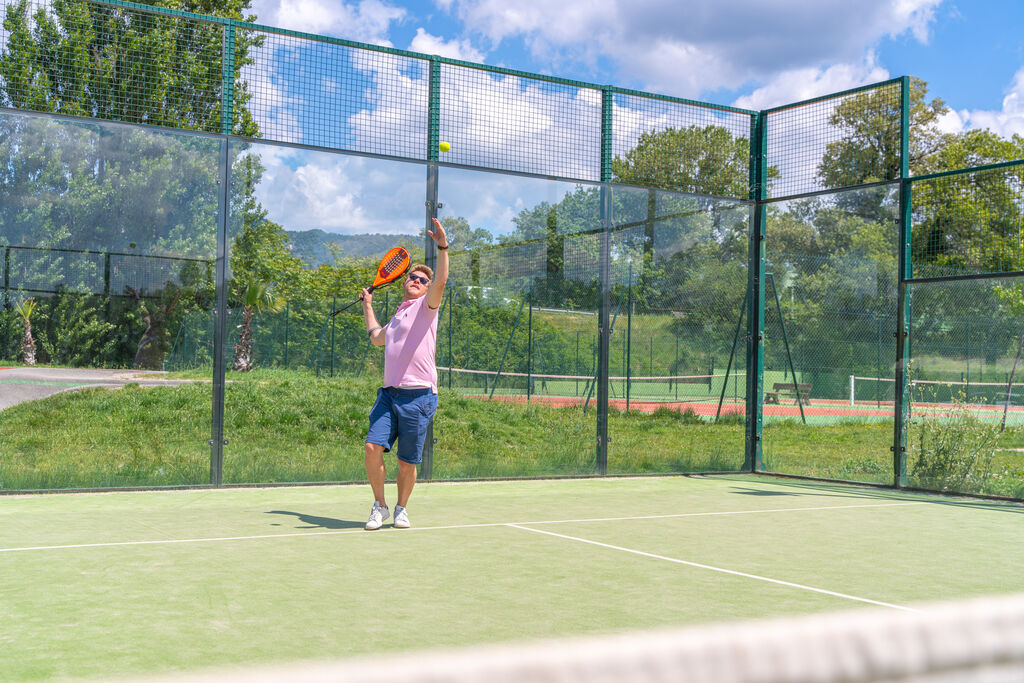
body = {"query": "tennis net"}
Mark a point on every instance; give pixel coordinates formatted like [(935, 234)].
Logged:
[(976, 640), (882, 391), (667, 388)]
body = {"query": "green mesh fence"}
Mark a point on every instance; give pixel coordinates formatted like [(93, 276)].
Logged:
[(830, 315), (330, 94), (547, 263), (836, 141), (969, 223), (966, 425), (112, 62), (516, 123), (679, 146), (134, 64)]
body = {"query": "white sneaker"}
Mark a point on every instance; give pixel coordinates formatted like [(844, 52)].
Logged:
[(401, 518), (378, 513)]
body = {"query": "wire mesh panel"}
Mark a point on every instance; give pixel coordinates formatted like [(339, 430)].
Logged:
[(830, 315), (836, 141), (331, 95), (51, 270), (148, 274), (111, 62), (677, 363), (969, 223), (965, 432), (682, 147), (515, 123)]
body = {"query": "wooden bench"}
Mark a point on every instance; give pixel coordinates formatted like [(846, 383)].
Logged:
[(788, 390)]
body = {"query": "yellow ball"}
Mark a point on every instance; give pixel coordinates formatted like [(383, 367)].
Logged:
[(444, 147)]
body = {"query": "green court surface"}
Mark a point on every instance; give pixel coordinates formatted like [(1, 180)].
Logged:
[(129, 583)]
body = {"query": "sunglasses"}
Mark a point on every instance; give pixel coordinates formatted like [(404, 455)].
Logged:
[(419, 278)]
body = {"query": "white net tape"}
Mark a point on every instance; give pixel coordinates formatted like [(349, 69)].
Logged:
[(978, 640)]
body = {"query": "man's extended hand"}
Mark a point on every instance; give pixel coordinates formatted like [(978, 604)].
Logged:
[(367, 298), (438, 234)]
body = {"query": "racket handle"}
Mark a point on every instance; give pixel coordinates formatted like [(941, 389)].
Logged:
[(345, 308)]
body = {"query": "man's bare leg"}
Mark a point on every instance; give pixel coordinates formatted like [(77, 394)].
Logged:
[(375, 471), (406, 480)]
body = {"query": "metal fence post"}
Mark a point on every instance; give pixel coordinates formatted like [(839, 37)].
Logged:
[(629, 335), (604, 280), (217, 440), (901, 404), (432, 206), (529, 348), (753, 460)]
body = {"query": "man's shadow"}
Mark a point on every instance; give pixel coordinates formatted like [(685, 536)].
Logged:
[(313, 522)]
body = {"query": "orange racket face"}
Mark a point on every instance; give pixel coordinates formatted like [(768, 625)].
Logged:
[(392, 266)]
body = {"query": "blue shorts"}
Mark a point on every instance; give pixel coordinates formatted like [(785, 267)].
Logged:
[(402, 414)]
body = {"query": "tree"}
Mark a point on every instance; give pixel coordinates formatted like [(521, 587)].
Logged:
[(108, 62), (256, 298), (156, 314), (24, 309), (259, 251), (869, 150), (150, 195), (706, 160)]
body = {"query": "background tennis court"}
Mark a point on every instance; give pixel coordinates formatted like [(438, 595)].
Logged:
[(142, 582)]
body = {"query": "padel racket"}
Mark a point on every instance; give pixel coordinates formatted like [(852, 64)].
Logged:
[(392, 266)]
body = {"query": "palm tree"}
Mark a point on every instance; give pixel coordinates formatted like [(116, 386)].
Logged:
[(28, 345), (256, 298)]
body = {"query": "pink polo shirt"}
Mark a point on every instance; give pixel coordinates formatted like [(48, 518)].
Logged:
[(410, 338)]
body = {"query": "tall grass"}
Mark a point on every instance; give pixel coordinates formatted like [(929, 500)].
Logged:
[(288, 426)]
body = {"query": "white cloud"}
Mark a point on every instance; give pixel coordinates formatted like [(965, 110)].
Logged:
[(273, 108), (1005, 122), (453, 49), (709, 44), (796, 85), (394, 119), (302, 190), (519, 124), (367, 21)]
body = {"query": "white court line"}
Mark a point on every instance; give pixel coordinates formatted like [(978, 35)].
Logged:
[(453, 526), (717, 569)]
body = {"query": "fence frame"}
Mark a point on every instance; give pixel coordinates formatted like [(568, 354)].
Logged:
[(757, 199)]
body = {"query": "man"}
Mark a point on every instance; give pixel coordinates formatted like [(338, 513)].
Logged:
[(408, 399)]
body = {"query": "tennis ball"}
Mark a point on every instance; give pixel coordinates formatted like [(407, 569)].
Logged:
[(444, 147)]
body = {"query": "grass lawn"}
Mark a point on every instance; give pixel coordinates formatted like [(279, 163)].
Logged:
[(286, 426)]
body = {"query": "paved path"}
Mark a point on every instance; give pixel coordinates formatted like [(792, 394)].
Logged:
[(18, 384)]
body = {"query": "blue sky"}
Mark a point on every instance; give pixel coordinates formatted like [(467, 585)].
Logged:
[(725, 51), (753, 54)]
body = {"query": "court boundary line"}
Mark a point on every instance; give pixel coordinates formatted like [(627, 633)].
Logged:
[(359, 530), (722, 570)]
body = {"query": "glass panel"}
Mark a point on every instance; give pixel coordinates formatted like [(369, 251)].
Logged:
[(830, 316), (307, 232), (108, 235), (517, 343), (966, 427), (676, 362)]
